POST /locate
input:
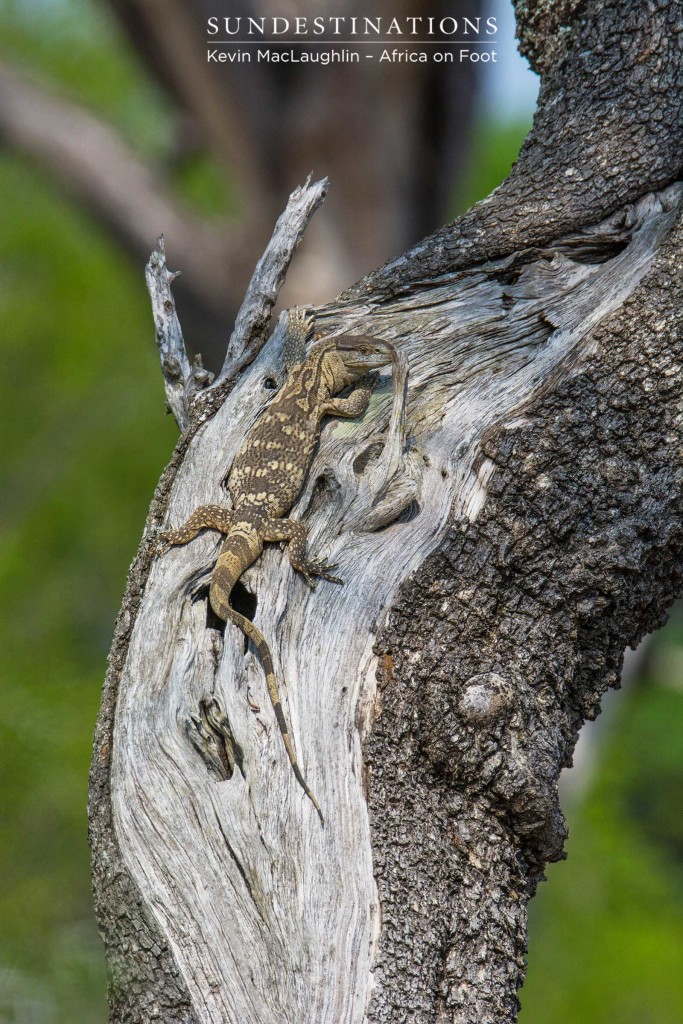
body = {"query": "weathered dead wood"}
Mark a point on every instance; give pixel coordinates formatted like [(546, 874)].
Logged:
[(184, 382), (217, 845), (529, 531)]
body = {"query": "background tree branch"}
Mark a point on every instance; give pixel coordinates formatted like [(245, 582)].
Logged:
[(96, 167), (395, 140), (384, 134)]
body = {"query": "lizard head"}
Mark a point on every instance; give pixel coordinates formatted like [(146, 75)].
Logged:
[(360, 354)]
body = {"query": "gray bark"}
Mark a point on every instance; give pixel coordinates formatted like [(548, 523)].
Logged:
[(499, 557)]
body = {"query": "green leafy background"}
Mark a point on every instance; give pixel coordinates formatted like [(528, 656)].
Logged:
[(83, 443)]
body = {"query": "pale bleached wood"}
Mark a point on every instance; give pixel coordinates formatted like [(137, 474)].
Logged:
[(251, 324), (179, 382), (269, 917), (183, 382)]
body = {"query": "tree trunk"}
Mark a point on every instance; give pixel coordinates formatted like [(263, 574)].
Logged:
[(504, 534)]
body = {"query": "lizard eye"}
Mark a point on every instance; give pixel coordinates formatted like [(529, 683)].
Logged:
[(364, 351)]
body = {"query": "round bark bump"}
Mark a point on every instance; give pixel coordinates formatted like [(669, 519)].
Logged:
[(485, 698)]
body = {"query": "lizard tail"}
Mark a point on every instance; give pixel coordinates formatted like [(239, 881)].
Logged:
[(219, 595)]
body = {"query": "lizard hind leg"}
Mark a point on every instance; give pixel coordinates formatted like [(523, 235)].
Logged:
[(205, 517), (296, 533)]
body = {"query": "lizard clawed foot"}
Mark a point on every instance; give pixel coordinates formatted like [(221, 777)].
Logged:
[(161, 545), (316, 570), (300, 320)]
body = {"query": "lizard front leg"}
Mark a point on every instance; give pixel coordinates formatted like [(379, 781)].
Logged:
[(356, 403), (205, 517), (295, 533)]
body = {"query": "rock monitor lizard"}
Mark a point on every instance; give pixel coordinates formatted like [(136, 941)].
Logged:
[(269, 472)]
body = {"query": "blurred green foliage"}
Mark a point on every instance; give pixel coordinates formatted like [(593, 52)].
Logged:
[(75, 46), (493, 150), (84, 441)]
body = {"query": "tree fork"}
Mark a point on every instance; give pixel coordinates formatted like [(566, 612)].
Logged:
[(530, 530)]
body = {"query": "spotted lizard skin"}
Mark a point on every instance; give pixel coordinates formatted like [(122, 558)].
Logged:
[(269, 473)]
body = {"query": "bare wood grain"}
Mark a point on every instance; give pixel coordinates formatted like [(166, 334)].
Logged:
[(253, 318), (268, 916)]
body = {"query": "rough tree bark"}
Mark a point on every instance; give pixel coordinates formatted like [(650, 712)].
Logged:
[(500, 554)]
